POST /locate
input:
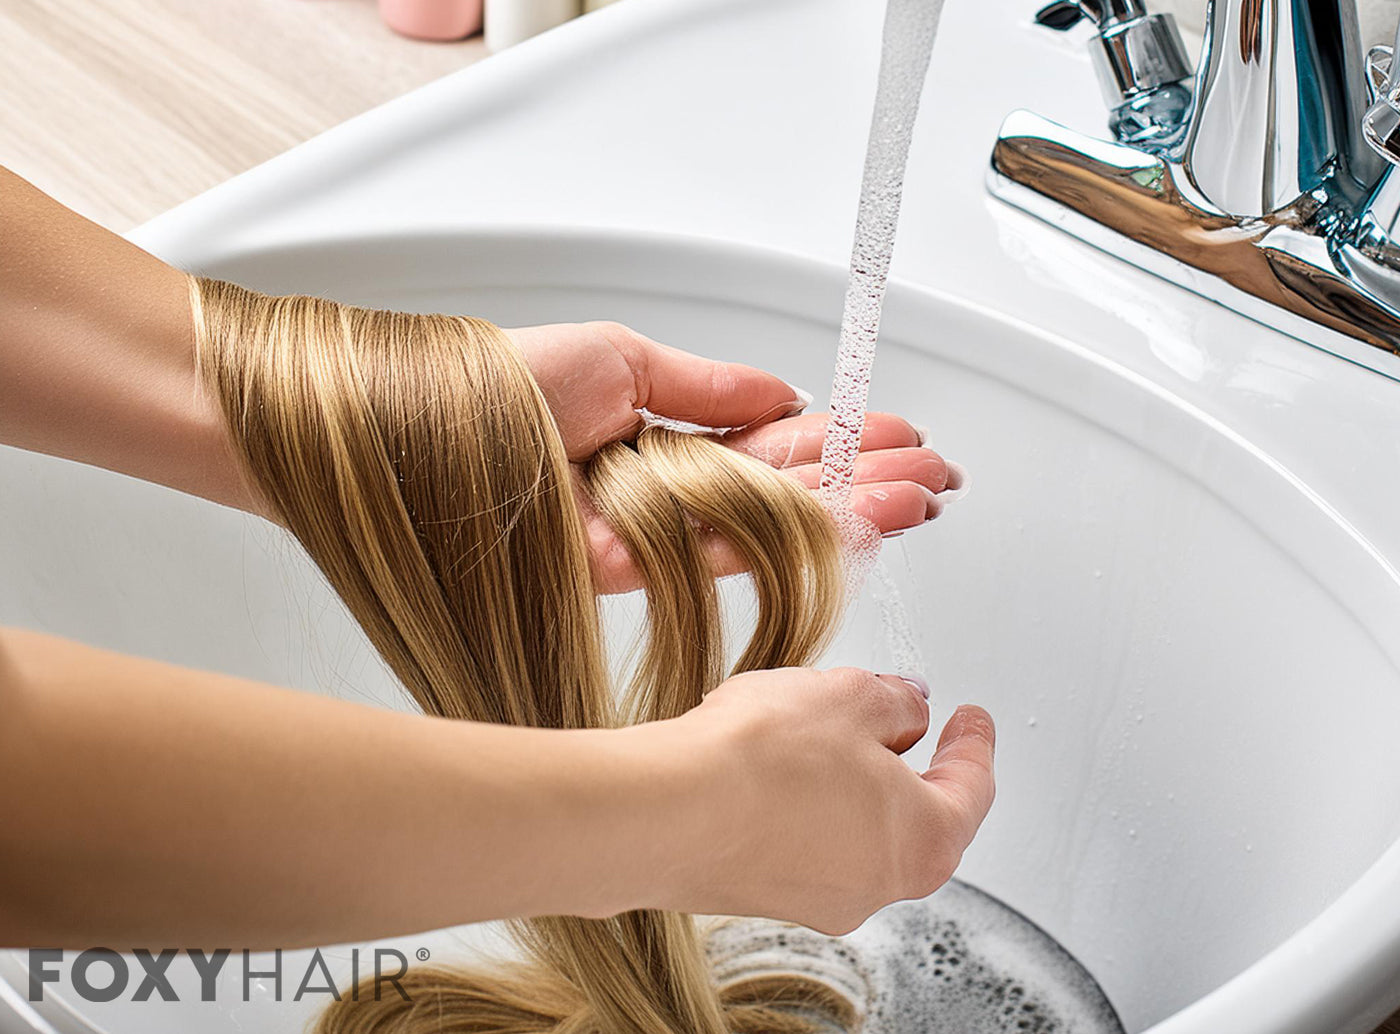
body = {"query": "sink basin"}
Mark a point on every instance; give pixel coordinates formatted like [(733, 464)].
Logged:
[(1190, 650)]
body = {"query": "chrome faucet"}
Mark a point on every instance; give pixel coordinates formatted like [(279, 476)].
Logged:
[(1267, 172)]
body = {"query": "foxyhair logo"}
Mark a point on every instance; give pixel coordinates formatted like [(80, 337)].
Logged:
[(103, 975)]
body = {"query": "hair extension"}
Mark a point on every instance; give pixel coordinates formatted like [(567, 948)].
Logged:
[(415, 459)]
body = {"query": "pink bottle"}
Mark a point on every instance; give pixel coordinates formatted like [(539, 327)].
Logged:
[(432, 19)]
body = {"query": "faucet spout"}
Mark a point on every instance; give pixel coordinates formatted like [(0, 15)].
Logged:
[(1270, 199), (1280, 96)]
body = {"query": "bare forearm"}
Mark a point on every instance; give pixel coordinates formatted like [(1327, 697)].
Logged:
[(96, 352), (165, 806)]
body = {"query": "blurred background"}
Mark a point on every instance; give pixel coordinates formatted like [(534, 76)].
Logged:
[(123, 108)]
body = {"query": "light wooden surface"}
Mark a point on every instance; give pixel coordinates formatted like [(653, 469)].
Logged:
[(122, 108)]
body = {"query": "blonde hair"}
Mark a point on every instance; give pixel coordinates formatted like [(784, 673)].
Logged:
[(417, 462)]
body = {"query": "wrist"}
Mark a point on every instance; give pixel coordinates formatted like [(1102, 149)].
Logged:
[(656, 803), (699, 801)]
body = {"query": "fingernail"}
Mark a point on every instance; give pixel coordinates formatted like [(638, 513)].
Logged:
[(922, 432), (970, 719), (804, 399), (892, 534), (918, 682), (959, 483), (933, 505)]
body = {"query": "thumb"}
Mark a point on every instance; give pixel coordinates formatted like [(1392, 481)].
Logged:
[(962, 769), (702, 391)]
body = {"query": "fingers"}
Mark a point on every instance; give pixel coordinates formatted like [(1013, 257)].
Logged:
[(896, 479), (921, 466), (798, 439), (895, 505), (687, 387), (891, 709), (962, 771), (892, 506), (611, 565)]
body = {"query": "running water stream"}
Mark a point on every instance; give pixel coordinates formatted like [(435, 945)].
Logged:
[(910, 29), (959, 962)]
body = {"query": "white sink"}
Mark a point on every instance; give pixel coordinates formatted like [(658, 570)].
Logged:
[(1191, 655)]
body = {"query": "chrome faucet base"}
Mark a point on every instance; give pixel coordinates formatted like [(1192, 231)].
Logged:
[(1288, 269)]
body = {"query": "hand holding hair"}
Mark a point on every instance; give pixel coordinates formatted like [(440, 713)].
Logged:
[(595, 376), (811, 815), (72, 289)]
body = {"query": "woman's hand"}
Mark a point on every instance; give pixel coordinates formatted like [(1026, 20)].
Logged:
[(140, 410), (595, 376), (802, 808)]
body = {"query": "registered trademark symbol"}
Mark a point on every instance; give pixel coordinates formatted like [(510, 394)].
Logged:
[(423, 954)]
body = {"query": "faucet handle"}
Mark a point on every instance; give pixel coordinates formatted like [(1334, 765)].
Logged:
[(1140, 64), (1378, 62), (1062, 15), (1065, 14), (1381, 124)]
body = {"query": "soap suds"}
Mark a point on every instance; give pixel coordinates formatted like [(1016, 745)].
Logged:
[(958, 962)]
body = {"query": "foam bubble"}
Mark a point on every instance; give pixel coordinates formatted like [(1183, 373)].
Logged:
[(650, 419), (958, 962)]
